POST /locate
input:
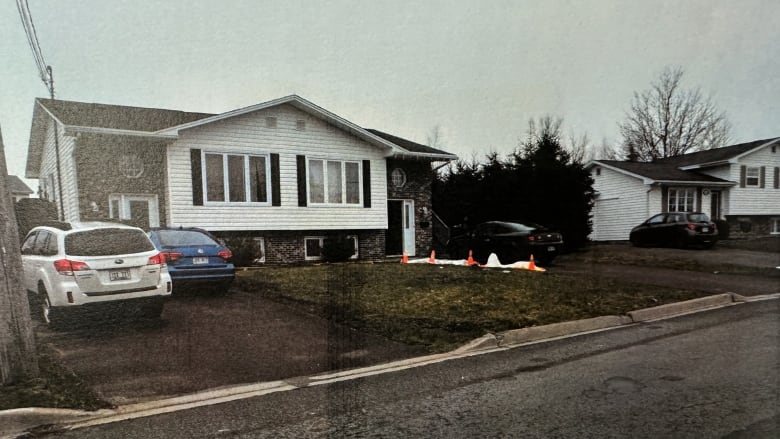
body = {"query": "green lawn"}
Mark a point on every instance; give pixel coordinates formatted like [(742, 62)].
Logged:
[(443, 306)]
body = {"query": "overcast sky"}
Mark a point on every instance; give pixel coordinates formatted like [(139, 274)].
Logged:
[(477, 69)]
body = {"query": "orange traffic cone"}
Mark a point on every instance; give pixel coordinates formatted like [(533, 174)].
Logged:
[(432, 259), (405, 258), (470, 261), (531, 265)]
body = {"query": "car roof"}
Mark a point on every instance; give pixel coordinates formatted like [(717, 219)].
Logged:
[(83, 225)]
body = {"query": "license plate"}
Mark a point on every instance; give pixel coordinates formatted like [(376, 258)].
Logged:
[(119, 275), (705, 229), (551, 248), (200, 260)]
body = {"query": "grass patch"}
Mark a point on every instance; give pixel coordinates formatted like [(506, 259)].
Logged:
[(56, 387), (441, 307)]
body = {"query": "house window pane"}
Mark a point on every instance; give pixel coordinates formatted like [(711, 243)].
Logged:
[(682, 200), (316, 182), (215, 178), (752, 176), (258, 188), (237, 187), (313, 248), (334, 182), (353, 183)]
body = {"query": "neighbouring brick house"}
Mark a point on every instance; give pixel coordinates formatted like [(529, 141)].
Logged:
[(286, 174), (739, 184)]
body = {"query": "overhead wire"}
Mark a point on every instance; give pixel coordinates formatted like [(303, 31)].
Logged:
[(32, 40)]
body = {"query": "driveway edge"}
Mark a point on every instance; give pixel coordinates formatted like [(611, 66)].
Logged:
[(16, 422)]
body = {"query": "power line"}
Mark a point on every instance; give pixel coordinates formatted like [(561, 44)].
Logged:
[(44, 70)]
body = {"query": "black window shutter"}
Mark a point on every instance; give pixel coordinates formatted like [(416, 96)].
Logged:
[(664, 199), (742, 175), (777, 177), (301, 169), (762, 177), (276, 193), (366, 183), (698, 199), (197, 178)]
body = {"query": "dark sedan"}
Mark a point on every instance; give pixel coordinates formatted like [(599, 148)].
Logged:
[(194, 256), (676, 229), (510, 241)]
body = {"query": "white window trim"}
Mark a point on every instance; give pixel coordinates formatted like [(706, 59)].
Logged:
[(774, 226), (123, 202), (322, 243), (261, 241), (226, 179), (757, 170), (683, 189), (343, 182)]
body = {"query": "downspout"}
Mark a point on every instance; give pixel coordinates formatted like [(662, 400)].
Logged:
[(59, 170)]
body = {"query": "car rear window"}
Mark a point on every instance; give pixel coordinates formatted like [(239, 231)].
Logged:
[(698, 217), (104, 242), (184, 238)]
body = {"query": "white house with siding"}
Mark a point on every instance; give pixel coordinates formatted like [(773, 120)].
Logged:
[(285, 173), (738, 183)]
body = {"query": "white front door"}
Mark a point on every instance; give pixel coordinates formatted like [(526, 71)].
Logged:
[(408, 227)]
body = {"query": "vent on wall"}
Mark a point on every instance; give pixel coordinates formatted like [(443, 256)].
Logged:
[(300, 125), (270, 122)]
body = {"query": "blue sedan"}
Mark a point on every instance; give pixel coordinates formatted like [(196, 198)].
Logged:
[(194, 256)]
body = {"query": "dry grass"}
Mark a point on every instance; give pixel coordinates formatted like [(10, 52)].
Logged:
[(443, 306)]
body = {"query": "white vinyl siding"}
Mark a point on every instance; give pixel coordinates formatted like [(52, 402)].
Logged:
[(754, 200), (623, 203), (68, 169), (248, 134)]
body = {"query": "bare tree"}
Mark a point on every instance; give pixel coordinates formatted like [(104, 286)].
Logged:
[(667, 120), (435, 138), (17, 343)]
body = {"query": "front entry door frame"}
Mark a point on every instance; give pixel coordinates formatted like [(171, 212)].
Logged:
[(119, 207), (401, 221)]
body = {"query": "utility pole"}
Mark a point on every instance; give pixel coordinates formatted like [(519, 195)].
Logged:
[(17, 342)]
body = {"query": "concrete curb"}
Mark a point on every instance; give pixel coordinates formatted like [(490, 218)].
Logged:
[(672, 309), (15, 422)]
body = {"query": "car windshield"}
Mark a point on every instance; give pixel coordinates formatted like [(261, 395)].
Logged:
[(184, 238), (104, 242), (698, 218)]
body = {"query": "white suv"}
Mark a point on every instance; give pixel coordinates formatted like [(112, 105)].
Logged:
[(78, 264)]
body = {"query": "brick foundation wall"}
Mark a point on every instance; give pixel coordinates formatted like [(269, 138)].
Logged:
[(286, 247)]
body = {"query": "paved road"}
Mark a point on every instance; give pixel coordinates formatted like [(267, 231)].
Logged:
[(713, 374)]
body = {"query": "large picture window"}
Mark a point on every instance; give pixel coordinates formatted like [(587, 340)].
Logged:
[(682, 200), (334, 182), (236, 178)]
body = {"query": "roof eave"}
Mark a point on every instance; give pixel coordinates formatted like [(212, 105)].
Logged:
[(424, 156), (696, 183), (763, 145), (74, 129)]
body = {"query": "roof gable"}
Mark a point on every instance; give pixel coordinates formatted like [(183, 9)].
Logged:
[(17, 186)]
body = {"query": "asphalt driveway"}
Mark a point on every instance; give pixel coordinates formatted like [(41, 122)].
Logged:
[(205, 341)]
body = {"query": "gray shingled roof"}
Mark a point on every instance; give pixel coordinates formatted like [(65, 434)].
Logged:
[(406, 144), (118, 116), (17, 186), (714, 155), (661, 171)]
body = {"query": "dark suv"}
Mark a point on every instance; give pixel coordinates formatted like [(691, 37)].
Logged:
[(676, 229)]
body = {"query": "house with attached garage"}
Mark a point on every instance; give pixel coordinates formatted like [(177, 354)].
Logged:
[(739, 184), (286, 174)]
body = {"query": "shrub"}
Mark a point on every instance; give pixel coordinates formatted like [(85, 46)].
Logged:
[(337, 248), (33, 212), (245, 250)]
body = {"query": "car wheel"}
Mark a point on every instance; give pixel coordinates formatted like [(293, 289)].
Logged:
[(49, 314)]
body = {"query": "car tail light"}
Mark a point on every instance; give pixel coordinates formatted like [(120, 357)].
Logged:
[(531, 238), (67, 267), (158, 259), (692, 226), (172, 256), (225, 254)]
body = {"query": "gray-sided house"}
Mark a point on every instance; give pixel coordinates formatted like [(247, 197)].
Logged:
[(18, 188), (738, 183), (285, 173)]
